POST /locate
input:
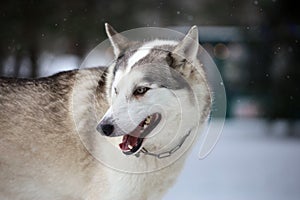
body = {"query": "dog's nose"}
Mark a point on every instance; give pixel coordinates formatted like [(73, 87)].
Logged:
[(107, 129)]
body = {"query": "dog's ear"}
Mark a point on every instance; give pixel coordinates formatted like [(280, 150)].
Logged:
[(118, 41), (182, 57), (188, 47)]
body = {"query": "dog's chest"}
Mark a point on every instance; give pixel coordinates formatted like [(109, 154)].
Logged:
[(145, 186)]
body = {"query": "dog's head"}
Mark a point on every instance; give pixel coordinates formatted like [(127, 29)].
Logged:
[(157, 91)]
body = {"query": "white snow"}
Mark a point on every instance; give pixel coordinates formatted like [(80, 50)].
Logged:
[(251, 161)]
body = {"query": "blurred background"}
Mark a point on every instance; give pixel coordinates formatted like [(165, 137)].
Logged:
[(255, 45)]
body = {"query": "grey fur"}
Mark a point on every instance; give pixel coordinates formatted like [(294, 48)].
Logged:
[(38, 138), (164, 76)]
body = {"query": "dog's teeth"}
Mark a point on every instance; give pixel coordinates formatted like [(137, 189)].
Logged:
[(148, 119), (130, 147)]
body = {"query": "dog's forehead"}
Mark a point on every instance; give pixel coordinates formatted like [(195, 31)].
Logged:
[(147, 52), (142, 54)]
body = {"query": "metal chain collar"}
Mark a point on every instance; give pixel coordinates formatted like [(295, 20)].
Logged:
[(166, 153)]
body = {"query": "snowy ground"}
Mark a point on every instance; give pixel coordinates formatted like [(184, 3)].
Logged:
[(247, 163)]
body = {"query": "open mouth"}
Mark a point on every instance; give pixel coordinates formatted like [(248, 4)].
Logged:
[(133, 141)]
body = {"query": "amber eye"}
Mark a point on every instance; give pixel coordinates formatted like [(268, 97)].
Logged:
[(140, 91)]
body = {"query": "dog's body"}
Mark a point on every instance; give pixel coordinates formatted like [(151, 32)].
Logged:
[(48, 126)]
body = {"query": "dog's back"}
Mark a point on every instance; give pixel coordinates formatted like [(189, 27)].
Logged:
[(24, 102), (38, 140)]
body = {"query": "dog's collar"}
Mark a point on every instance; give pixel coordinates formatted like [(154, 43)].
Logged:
[(166, 153)]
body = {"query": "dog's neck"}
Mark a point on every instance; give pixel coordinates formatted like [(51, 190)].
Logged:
[(87, 105), (165, 154)]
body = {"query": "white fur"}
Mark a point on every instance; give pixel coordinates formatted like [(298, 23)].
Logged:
[(182, 111), (118, 77), (138, 55), (179, 116)]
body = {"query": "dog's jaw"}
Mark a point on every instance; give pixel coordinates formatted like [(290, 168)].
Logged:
[(133, 142)]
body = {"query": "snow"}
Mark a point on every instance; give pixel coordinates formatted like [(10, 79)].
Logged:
[(247, 163)]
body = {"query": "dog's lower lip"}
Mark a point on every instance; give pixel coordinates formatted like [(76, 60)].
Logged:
[(133, 141), (134, 149)]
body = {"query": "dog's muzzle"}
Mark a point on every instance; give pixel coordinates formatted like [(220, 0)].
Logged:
[(132, 141)]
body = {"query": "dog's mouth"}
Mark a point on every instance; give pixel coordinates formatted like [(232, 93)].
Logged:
[(132, 142)]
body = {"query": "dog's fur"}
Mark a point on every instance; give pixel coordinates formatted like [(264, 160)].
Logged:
[(48, 125)]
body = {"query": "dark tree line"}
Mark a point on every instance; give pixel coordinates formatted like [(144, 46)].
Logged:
[(29, 27)]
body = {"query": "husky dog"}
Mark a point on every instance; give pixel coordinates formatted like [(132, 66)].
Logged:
[(153, 98)]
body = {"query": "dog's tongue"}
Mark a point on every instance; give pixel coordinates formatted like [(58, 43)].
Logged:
[(128, 140), (131, 138)]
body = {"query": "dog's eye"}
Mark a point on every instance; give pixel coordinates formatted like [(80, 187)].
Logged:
[(140, 91)]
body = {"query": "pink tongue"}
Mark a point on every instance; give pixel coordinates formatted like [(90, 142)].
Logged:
[(128, 140)]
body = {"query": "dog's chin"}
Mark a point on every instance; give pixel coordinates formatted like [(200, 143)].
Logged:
[(132, 142)]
